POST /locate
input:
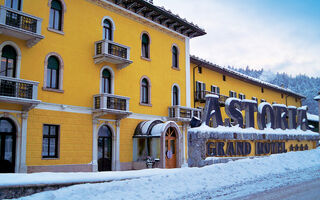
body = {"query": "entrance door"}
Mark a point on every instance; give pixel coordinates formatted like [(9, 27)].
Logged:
[(105, 149), (170, 143), (7, 145)]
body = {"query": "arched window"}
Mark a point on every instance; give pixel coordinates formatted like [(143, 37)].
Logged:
[(175, 58), (55, 15), (14, 4), (145, 91), (106, 81), (145, 46), (175, 95), (8, 61), (107, 30), (53, 69)]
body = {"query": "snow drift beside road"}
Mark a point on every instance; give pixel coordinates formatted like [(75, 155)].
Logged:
[(188, 182)]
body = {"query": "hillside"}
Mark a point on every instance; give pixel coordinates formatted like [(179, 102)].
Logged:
[(302, 84)]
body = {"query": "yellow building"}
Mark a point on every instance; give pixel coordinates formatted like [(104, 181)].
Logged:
[(95, 85)]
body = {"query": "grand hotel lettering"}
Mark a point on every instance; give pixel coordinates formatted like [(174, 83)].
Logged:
[(281, 129)]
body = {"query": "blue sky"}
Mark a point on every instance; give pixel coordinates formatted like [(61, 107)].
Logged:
[(276, 35)]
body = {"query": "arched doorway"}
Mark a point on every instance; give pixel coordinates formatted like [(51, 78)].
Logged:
[(171, 148), (104, 149), (7, 145)]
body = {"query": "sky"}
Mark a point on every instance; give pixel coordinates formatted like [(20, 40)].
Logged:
[(276, 35)]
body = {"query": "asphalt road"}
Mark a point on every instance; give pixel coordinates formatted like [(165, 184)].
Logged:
[(309, 190)]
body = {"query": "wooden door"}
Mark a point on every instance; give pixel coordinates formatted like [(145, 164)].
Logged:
[(171, 148)]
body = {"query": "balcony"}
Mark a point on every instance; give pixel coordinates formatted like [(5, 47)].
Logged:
[(18, 91), (180, 113), (109, 51), (110, 104), (20, 25), (200, 96)]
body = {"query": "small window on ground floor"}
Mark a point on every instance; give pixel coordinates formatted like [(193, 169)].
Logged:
[(50, 141)]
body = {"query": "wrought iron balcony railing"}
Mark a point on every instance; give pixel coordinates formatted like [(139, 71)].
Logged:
[(200, 96), (181, 113), (21, 25), (111, 104), (13, 90), (109, 51)]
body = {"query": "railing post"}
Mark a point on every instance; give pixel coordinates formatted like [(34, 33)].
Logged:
[(128, 53), (35, 91), (39, 22), (103, 104), (177, 111), (127, 104), (3, 12)]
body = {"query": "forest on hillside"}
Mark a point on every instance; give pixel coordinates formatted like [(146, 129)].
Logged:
[(302, 84)]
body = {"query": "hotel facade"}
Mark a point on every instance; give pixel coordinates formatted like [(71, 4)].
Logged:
[(100, 85)]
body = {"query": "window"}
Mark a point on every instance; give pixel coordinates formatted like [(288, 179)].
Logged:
[(262, 90), (14, 4), (8, 61), (53, 73), (175, 57), (55, 21), (145, 91), (262, 100), (50, 141), (200, 70), (224, 77), (215, 89), (242, 96), (107, 30), (281, 96), (145, 46), (175, 95), (255, 99), (200, 90), (232, 94), (106, 81)]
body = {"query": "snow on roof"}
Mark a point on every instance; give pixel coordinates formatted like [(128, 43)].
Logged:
[(317, 98), (241, 75), (312, 117)]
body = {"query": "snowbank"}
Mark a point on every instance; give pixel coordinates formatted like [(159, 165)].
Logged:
[(187, 182)]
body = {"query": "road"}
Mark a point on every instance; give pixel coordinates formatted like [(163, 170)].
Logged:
[(309, 190)]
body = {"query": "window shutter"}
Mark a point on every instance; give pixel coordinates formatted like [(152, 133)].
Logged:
[(203, 87), (218, 90), (230, 94), (244, 96), (53, 63), (235, 94), (56, 5), (9, 52)]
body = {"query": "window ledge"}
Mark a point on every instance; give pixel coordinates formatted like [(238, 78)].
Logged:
[(175, 68), (144, 58), (56, 31), (50, 158), (145, 104), (52, 90)]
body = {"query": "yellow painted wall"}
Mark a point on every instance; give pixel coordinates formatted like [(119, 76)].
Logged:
[(81, 78), (75, 138), (210, 77)]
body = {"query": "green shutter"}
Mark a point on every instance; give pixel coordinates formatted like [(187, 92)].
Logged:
[(145, 39), (106, 74), (53, 63), (56, 5), (9, 52)]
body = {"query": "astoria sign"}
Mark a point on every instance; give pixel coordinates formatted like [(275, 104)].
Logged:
[(271, 116)]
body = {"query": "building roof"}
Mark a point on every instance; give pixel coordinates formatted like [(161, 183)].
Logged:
[(317, 98), (243, 77), (161, 16), (312, 117)]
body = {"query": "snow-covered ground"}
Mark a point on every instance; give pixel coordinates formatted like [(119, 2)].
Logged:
[(220, 181)]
